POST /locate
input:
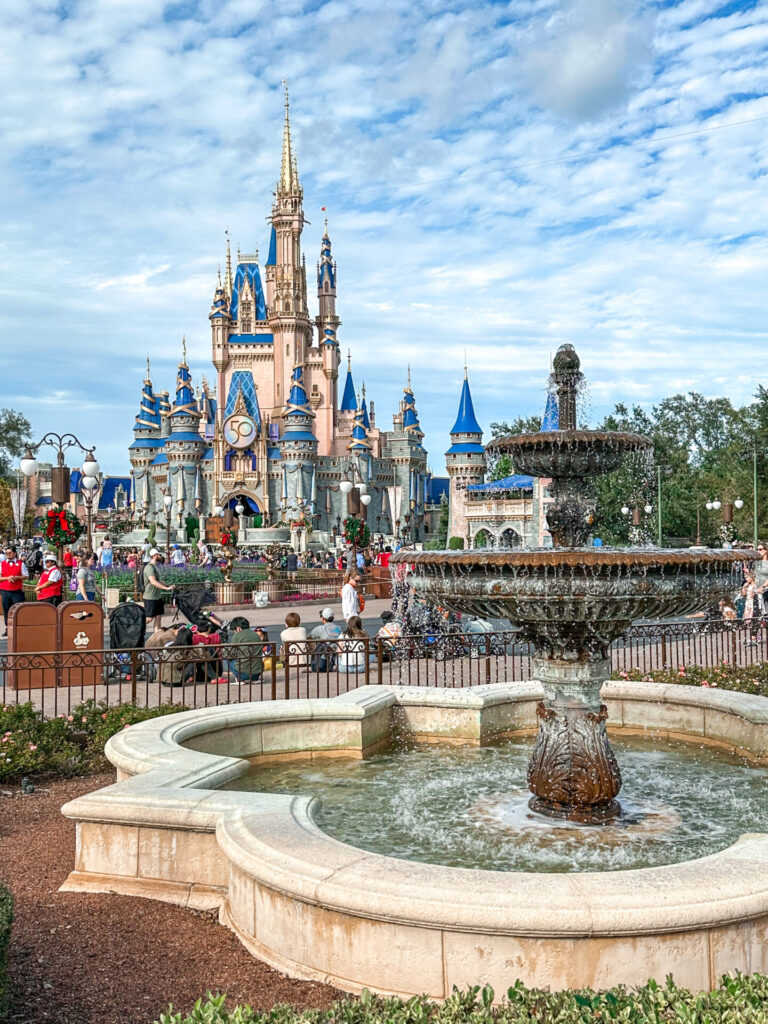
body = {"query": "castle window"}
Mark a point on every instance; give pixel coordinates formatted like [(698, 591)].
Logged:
[(314, 389), (287, 350)]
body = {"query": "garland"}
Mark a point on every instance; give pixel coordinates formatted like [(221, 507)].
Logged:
[(62, 527), (356, 532)]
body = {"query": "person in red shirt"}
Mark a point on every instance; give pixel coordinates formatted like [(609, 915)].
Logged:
[(383, 558), (12, 573), (51, 581)]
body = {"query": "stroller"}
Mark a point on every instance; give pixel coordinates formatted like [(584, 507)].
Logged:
[(127, 630), (192, 603)]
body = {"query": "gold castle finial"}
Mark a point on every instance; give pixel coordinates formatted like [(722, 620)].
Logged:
[(149, 379), (218, 277), (465, 364), (409, 376), (349, 360), (184, 349)]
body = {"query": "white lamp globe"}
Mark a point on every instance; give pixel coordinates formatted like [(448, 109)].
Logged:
[(649, 509), (239, 508), (28, 464), (739, 503), (218, 511), (366, 499), (345, 486), (167, 501), (624, 510), (362, 488), (90, 466), (716, 504), (89, 483), (709, 506)]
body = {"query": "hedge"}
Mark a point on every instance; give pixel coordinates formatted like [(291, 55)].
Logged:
[(456, 543), (6, 920), (71, 744), (738, 999), (751, 679)]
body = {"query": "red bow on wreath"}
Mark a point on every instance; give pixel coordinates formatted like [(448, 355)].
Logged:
[(53, 515), (225, 540)]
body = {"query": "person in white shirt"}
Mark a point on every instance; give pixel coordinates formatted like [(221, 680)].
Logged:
[(177, 556), (350, 596), (352, 647)]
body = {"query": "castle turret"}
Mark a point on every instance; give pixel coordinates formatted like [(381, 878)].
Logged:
[(298, 450), (148, 442), (465, 461), (184, 446)]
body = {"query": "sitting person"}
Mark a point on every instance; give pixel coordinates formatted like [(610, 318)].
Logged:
[(172, 655), (352, 646), (247, 665), (390, 632), (293, 650), (324, 653), (205, 636)]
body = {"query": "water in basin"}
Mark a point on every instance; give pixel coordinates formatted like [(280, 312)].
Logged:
[(468, 806)]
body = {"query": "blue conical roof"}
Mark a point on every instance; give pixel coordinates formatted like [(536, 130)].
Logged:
[(184, 404), (149, 413), (359, 442), (551, 420), (411, 423), (272, 254), (366, 417), (466, 421), (349, 398)]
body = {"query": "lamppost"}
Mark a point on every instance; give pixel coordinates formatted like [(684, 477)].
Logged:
[(354, 489), (89, 487), (726, 529), (636, 533), (60, 473), (168, 503)]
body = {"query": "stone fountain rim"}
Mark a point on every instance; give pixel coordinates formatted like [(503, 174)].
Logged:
[(273, 838), (574, 438), (576, 557)]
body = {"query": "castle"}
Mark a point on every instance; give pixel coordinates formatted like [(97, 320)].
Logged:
[(271, 434)]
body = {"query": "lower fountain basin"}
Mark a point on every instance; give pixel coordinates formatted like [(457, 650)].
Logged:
[(319, 908)]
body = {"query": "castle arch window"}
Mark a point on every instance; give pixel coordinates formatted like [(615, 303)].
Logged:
[(287, 350)]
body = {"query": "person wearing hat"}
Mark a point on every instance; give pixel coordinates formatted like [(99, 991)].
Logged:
[(12, 574), (177, 556), (323, 653), (153, 590), (51, 581)]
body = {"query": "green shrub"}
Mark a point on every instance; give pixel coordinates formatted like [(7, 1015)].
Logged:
[(747, 679), (6, 920), (71, 744), (739, 999), (456, 543)]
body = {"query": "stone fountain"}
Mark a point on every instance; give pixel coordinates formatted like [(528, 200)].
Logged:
[(572, 601)]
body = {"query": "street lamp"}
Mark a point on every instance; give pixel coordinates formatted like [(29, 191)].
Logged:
[(60, 475), (168, 503), (636, 529), (89, 487)]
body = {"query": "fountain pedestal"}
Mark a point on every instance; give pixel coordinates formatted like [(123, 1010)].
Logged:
[(573, 773)]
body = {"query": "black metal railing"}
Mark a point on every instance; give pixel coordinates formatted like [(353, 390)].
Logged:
[(206, 675)]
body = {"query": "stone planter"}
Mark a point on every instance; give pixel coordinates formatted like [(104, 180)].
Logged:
[(230, 593)]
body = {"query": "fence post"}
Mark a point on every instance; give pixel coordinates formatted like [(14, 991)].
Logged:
[(487, 657), (134, 673), (273, 671), (663, 649), (367, 643), (379, 660)]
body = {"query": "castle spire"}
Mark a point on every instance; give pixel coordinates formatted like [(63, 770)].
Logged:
[(228, 274), (289, 176), (411, 423), (349, 399)]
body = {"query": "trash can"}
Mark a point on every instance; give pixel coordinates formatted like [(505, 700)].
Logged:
[(33, 627), (81, 630)]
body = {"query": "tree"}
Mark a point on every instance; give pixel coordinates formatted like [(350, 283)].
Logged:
[(15, 431), (441, 534), (500, 465)]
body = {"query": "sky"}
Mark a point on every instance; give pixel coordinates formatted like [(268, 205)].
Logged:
[(499, 178)]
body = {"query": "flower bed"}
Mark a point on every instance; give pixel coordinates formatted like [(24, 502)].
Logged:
[(68, 745), (738, 999), (744, 679)]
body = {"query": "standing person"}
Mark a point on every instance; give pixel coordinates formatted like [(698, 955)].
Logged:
[(351, 598), (383, 557), (13, 572), (751, 611), (106, 555), (51, 581), (34, 561), (86, 580), (153, 590), (291, 564), (146, 552), (177, 556), (761, 576)]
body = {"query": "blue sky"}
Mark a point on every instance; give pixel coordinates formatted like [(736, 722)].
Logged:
[(499, 177)]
